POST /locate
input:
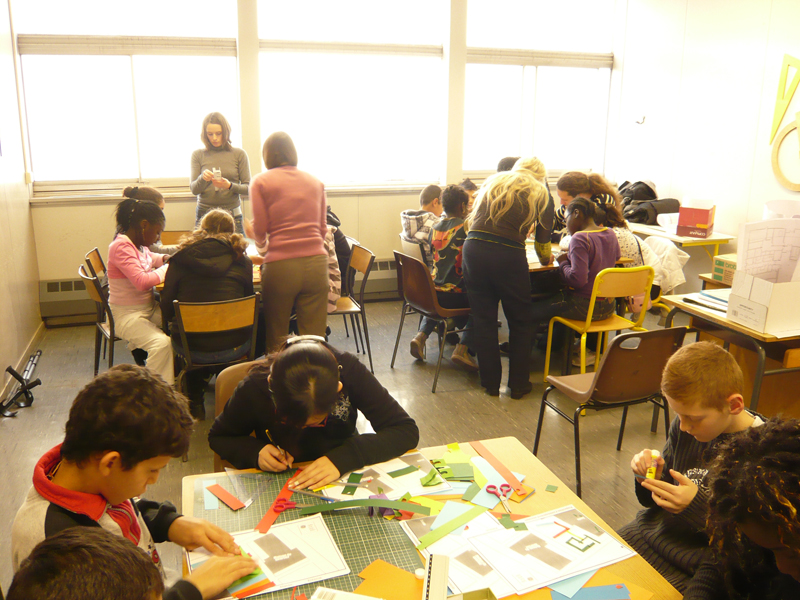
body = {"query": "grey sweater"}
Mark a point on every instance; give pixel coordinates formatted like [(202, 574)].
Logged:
[(235, 168)]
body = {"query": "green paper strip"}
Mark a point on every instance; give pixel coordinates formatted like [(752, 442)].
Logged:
[(438, 462), (509, 523), (431, 479), (350, 490), (376, 502), (406, 496), (471, 492), (449, 527), (403, 471)]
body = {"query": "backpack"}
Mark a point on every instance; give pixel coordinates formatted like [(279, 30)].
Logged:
[(638, 191)]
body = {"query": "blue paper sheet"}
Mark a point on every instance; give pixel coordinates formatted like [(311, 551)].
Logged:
[(601, 592), (210, 500), (569, 587), (450, 511)]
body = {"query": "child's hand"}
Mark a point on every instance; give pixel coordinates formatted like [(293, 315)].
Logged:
[(193, 533), (320, 472), (272, 459), (217, 573), (208, 175), (672, 498), (642, 461)]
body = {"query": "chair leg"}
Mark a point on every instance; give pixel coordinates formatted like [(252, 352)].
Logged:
[(344, 318), (654, 420), (598, 349), (105, 343), (366, 337), (541, 419), (360, 335), (583, 353), (97, 341), (441, 351), (576, 427), (111, 345), (665, 404), (355, 335), (622, 427), (399, 330), (547, 352)]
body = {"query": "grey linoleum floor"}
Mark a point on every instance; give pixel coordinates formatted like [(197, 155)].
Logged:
[(459, 411)]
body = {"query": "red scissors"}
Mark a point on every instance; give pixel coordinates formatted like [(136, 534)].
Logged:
[(503, 493), (282, 504)]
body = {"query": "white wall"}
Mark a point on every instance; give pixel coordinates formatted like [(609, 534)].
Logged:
[(19, 299)]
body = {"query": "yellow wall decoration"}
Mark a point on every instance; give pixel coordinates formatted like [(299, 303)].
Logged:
[(782, 102)]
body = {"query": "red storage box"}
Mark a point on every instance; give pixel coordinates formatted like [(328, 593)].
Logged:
[(696, 222)]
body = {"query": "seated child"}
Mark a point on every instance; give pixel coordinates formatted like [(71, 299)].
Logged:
[(447, 239), (753, 518), (703, 386), (123, 428), (417, 223), (575, 184), (302, 403), (592, 248)]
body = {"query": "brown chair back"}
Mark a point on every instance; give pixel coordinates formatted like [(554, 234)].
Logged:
[(418, 289), (98, 294), (171, 238), (97, 268), (227, 380), (208, 317), (632, 366)]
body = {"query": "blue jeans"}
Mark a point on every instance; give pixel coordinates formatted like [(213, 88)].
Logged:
[(199, 213)]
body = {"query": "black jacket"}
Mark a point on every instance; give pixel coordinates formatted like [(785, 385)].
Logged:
[(251, 409), (208, 271)]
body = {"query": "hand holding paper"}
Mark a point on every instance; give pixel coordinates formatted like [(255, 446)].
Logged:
[(321, 472), (194, 533), (217, 573)]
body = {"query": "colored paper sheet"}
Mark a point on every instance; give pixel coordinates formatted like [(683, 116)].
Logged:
[(384, 580), (374, 502), (471, 492), (509, 523), (484, 498), (229, 499), (210, 501), (403, 471), (507, 475), (529, 491), (457, 489), (460, 471), (269, 518), (434, 505), (602, 592), (551, 488), (350, 490), (450, 511), (435, 535), (569, 587), (455, 454), (432, 478), (606, 577)]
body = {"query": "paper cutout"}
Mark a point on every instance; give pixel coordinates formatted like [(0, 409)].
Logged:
[(383, 512), (471, 492), (453, 447), (499, 467), (450, 511), (403, 471), (383, 580), (434, 505), (529, 491), (350, 490), (229, 499), (393, 504), (569, 587), (551, 488), (210, 501), (269, 518), (437, 534), (507, 522), (431, 479), (603, 592), (484, 498), (606, 577)]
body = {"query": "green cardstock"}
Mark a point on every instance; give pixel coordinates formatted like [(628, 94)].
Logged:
[(551, 488), (471, 492), (445, 472), (403, 471), (350, 490), (509, 523), (376, 502), (449, 527), (461, 471), (431, 479)]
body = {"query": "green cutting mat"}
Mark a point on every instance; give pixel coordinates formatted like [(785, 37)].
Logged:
[(361, 538)]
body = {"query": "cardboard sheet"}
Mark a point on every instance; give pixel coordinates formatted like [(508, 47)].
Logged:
[(383, 580)]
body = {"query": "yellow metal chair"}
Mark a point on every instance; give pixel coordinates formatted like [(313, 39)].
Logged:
[(609, 283)]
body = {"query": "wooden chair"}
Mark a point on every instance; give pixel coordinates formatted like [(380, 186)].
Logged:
[(361, 261), (609, 283), (215, 317), (226, 382), (171, 238), (104, 322), (419, 296), (629, 374), (97, 268)]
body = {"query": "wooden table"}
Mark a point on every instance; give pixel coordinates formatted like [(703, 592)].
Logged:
[(518, 458), (715, 239), (768, 351), (709, 283)]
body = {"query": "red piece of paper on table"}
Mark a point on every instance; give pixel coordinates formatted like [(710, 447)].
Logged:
[(269, 518), (229, 499), (500, 468), (254, 589)]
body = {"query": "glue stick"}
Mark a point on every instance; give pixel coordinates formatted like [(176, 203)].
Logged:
[(651, 470)]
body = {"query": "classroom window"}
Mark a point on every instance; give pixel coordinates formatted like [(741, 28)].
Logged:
[(174, 18), (149, 110), (556, 113), (357, 118)]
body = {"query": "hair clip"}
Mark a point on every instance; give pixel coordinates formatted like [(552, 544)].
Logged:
[(304, 338)]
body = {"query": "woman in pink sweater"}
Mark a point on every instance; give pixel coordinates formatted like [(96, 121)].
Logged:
[(133, 271), (289, 206)]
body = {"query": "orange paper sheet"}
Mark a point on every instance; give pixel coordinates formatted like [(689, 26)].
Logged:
[(229, 499), (602, 577), (269, 518), (384, 580), (500, 468)]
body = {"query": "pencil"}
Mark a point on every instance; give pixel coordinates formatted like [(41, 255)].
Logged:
[(271, 441)]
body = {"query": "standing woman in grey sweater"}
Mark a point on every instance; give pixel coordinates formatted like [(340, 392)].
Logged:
[(220, 172)]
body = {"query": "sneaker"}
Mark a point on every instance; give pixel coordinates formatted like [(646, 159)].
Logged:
[(505, 347), (590, 358), (418, 346), (461, 357), (139, 356)]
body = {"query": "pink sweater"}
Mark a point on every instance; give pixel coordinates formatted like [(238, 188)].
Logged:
[(289, 205), (132, 273)]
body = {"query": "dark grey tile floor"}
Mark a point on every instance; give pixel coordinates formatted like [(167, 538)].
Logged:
[(459, 411)]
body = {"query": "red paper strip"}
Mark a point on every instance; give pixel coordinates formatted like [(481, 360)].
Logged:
[(269, 518), (254, 589), (500, 468), (229, 499)]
